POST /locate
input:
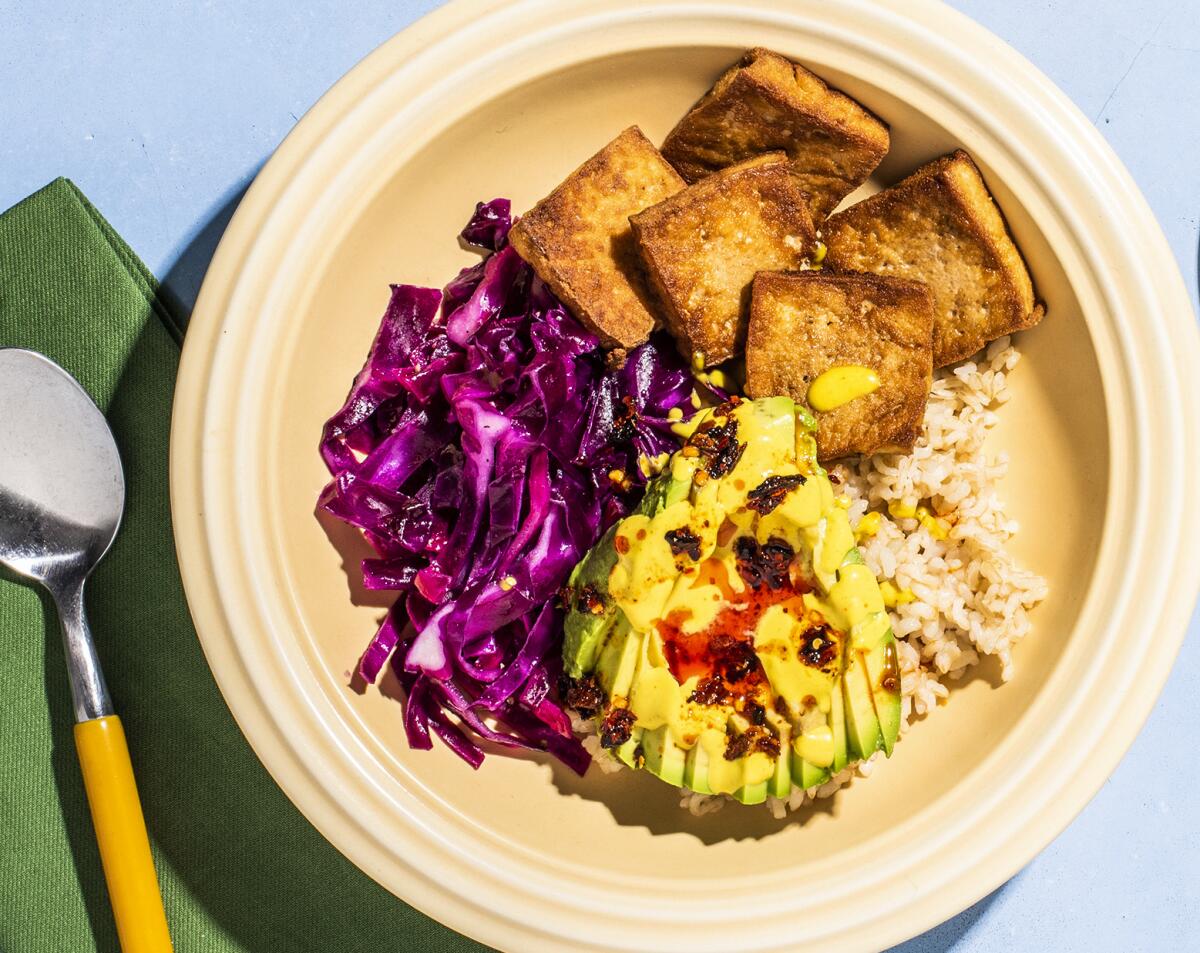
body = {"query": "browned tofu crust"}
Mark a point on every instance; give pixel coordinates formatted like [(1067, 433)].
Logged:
[(805, 323), (702, 247), (765, 103), (941, 226), (579, 242)]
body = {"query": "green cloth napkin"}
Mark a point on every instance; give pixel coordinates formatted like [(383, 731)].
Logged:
[(240, 868)]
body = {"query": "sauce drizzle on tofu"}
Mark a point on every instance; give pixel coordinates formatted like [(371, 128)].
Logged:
[(840, 385)]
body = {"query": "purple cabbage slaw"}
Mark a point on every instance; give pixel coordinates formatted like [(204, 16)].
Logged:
[(474, 452)]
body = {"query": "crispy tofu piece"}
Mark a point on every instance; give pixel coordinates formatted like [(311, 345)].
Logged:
[(805, 323), (702, 247), (941, 226), (765, 103), (579, 242)]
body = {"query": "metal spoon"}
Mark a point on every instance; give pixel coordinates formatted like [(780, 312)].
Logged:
[(61, 497)]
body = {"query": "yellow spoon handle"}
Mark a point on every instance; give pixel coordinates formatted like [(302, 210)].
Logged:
[(121, 834)]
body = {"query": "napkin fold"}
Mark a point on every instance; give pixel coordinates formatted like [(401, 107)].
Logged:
[(240, 868)]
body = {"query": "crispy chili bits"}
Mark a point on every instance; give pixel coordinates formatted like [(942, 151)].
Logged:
[(718, 444), (589, 599), (758, 738), (737, 745), (616, 728), (818, 646), (624, 426), (710, 691), (771, 492), (734, 658), (683, 540), (763, 565), (584, 695)]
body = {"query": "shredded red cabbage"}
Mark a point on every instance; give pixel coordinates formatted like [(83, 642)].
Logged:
[(476, 453)]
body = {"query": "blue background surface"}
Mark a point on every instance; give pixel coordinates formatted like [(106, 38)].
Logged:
[(162, 112)]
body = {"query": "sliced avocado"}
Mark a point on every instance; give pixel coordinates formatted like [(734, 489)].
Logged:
[(586, 627), (862, 724), (769, 432), (671, 490), (695, 770), (805, 420), (872, 646), (584, 630), (752, 793), (664, 758), (780, 783), (809, 774), (871, 679), (748, 486), (628, 752), (883, 676), (780, 413), (663, 492), (618, 659), (837, 722), (756, 772)]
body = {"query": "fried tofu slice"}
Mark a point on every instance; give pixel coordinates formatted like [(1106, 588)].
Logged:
[(579, 242), (702, 247), (806, 323), (766, 103), (941, 226)]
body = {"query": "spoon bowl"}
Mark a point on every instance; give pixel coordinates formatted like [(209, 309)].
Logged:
[(62, 492)]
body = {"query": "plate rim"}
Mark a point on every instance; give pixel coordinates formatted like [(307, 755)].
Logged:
[(191, 437)]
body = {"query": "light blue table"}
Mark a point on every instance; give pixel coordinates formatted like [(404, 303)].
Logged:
[(163, 111)]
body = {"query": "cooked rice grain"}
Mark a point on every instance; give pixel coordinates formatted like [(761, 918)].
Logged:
[(971, 598)]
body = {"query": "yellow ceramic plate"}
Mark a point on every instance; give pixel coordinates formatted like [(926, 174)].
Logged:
[(491, 98)]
